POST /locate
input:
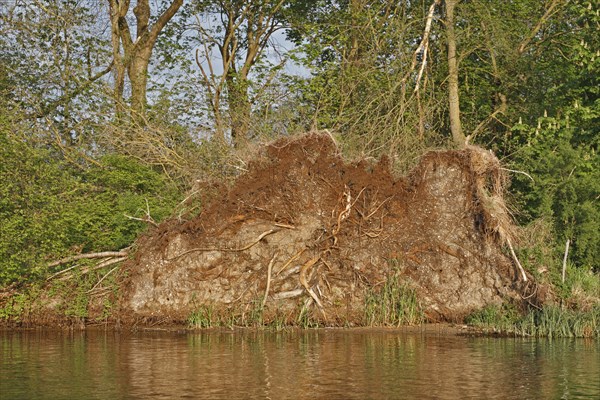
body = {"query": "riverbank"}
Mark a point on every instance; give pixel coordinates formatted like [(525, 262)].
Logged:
[(305, 238)]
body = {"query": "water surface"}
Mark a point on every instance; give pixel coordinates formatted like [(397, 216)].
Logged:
[(316, 364)]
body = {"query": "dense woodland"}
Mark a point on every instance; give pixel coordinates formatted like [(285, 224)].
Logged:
[(115, 114)]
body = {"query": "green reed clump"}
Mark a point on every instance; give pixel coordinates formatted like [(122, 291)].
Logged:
[(548, 321), (201, 318), (394, 303)]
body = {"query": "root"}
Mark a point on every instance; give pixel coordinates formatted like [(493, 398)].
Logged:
[(260, 237), (304, 282), (298, 254), (269, 269), (288, 295), (512, 251)]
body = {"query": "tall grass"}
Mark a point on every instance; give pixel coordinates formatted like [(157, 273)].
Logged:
[(394, 303), (549, 321)]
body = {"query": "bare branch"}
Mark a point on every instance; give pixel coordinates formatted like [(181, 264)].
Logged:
[(102, 254)]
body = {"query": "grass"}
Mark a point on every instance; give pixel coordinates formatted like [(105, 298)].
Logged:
[(202, 317), (392, 304), (549, 321)]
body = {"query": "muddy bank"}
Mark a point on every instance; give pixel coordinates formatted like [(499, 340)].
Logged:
[(304, 234)]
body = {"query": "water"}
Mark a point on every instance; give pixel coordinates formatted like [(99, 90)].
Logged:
[(318, 364)]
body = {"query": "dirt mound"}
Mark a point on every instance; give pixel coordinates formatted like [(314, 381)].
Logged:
[(305, 232)]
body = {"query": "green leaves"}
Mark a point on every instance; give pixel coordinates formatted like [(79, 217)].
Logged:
[(48, 208)]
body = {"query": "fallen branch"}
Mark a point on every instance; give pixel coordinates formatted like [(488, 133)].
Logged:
[(260, 237), (102, 254), (103, 264)]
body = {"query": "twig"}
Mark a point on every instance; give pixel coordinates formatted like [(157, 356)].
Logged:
[(101, 279), (146, 219), (262, 235), (518, 172), (103, 254), (512, 251), (103, 264), (269, 269)]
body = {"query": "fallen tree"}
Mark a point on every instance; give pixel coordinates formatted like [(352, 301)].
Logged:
[(304, 233)]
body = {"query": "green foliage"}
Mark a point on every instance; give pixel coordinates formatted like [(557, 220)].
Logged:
[(394, 303), (49, 208), (566, 172)]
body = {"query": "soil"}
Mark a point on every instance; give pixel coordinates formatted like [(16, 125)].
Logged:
[(304, 232)]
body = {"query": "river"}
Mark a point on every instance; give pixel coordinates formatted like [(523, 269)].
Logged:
[(312, 364)]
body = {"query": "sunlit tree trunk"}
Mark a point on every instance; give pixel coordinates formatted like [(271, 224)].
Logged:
[(132, 56)]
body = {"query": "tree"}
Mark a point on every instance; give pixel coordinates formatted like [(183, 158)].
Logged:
[(131, 54), (241, 32), (453, 96), (55, 58)]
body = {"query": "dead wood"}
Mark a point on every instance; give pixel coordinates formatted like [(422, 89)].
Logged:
[(102, 254)]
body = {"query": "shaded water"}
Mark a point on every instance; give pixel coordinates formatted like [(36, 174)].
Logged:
[(317, 364)]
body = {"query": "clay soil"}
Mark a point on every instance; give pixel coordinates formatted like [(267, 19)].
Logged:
[(305, 233)]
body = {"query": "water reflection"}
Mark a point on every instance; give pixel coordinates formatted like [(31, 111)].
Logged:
[(321, 364)]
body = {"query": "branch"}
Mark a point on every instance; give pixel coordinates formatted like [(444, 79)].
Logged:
[(163, 19), (547, 15), (67, 97), (102, 254)]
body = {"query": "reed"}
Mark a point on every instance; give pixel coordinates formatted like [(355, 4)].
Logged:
[(202, 317), (394, 303), (550, 321)]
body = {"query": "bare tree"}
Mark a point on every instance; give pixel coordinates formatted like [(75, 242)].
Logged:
[(243, 32)]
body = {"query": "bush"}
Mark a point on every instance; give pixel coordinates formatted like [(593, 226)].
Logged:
[(49, 207)]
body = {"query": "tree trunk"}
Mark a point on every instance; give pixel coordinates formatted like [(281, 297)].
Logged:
[(133, 56), (453, 98), (138, 76)]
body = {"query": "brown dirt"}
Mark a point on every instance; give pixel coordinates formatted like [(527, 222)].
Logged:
[(329, 231)]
